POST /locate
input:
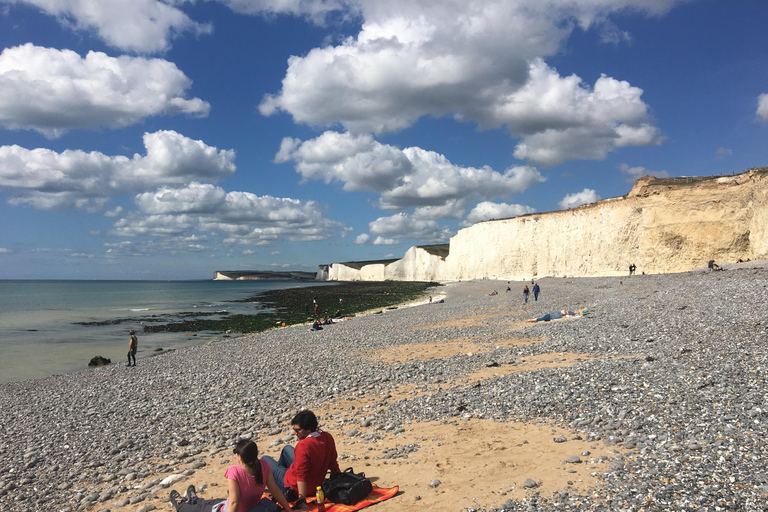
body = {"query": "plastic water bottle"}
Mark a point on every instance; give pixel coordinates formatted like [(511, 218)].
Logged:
[(320, 499)]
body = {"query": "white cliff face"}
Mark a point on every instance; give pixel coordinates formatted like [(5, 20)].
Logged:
[(417, 265), (662, 225)]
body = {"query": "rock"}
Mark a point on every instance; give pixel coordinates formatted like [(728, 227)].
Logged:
[(99, 361), (169, 481), (434, 483), (530, 483)]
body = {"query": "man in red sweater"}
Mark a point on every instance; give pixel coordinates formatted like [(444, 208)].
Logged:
[(303, 469)]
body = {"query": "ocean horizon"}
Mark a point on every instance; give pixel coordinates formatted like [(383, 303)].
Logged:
[(49, 327)]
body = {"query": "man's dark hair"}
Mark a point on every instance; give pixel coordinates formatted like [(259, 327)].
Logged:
[(306, 420)]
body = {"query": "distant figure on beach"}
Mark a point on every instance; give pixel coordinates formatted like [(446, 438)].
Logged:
[(315, 307), (526, 292), (509, 289), (430, 299), (316, 326), (713, 266), (306, 310), (557, 315), (133, 346), (632, 269), (300, 470), (536, 291), (494, 292), (246, 482)]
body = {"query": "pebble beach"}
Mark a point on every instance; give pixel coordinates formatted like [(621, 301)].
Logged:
[(656, 400)]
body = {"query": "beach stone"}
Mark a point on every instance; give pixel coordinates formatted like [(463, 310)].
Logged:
[(530, 483), (573, 459), (434, 483), (171, 480), (99, 361)]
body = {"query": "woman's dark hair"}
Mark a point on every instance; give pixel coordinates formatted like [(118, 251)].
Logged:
[(306, 420), (249, 452)]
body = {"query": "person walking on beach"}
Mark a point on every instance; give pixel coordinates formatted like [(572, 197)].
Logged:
[(526, 291), (246, 482), (301, 470), (536, 291), (133, 346)]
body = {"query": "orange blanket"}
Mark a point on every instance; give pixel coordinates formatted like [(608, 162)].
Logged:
[(378, 494)]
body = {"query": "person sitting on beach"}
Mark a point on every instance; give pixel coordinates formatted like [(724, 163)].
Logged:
[(557, 315), (337, 314), (316, 326), (300, 471), (494, 292), (327, 320), (246, 481), (713, 266)]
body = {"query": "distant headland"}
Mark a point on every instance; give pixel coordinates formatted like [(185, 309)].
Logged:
[(262, 275)]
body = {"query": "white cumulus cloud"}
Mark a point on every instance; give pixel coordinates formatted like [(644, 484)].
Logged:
[(634, 173), (762, 107), (487, 210), (476, 60), (52, 91), (586, 196), (245, 218), (402, 225), (143, 26), (412, 177), (49, 180)]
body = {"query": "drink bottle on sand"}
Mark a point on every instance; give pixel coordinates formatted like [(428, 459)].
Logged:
[(320, 499)]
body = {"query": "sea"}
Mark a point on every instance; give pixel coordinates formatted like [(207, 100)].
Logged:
[(50, 327)]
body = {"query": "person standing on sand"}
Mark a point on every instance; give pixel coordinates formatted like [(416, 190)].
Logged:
[(536, 291), (133, 346), (526, 291)]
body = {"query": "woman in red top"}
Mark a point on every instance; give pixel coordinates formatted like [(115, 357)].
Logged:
[(301, 470)]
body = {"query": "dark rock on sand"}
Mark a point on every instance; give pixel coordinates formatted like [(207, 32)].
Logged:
[(99, 361)]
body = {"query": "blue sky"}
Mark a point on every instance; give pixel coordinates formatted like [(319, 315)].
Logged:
[(167, 139)]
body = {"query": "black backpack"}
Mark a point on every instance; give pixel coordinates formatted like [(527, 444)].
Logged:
[(346, 487)]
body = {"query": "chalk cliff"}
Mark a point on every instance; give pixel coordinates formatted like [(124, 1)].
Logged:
[(661, 225)]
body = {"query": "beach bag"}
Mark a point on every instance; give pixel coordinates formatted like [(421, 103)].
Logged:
[(346, 487)]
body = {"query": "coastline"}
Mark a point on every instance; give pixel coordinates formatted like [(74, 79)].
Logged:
[(51, 328), (662, 378)]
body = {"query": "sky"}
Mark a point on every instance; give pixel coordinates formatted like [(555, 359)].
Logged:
[(169, 139)]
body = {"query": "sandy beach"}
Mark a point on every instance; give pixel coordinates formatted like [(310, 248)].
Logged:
[(656, 400)]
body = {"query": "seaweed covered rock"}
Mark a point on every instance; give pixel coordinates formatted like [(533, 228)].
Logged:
[(99, 361)]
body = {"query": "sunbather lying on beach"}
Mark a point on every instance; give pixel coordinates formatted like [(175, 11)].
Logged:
[(560, 315), (246, 481)]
